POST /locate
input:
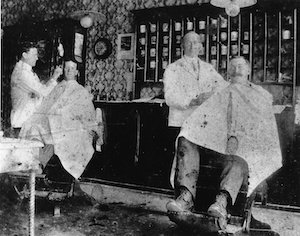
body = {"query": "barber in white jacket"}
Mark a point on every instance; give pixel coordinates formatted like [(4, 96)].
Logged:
[(27, 91), (188, 82)]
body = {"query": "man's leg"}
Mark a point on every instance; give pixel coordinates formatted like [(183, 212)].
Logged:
[(186, 176), (233, 177)]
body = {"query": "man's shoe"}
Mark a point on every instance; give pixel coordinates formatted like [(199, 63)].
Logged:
[(256, 224), (184, 202), (218, 209)]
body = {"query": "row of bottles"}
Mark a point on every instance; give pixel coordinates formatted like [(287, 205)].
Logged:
[(267, 40)]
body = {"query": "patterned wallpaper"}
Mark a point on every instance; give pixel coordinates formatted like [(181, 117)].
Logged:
[(108, 78)]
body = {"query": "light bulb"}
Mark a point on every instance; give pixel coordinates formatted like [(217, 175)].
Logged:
[(60, 50), (232, 9), (86, 21)]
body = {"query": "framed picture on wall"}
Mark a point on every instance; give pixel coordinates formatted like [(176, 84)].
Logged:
[(78, 46), (125, 46)]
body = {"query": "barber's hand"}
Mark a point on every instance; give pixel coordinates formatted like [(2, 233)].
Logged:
[(57, 72), (232, 145), (200, 99)]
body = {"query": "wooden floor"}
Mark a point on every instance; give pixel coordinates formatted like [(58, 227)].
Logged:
[(284, 222)]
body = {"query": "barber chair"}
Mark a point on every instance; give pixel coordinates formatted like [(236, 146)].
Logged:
[(54, 184), (239, 218)]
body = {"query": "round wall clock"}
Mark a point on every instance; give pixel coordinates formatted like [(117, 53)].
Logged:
[(102, 48)]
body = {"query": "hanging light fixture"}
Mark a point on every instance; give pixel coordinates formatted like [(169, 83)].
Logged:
[(232, 7), (86, 21), (87, 18)]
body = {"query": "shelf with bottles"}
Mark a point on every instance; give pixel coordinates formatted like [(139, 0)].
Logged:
[(189, 25), (223, 64), (176, 50), (201, 29), (164, 49), (224, 50), (287, 25), (152, 49), (141, 46), (234, 29), (213, 30), (213, 45), (223, 28), (267, 38), (245, 50)]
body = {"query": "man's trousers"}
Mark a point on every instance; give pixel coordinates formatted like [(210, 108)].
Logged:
[(234, 174)]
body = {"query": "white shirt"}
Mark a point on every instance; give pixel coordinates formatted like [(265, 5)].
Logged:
[(27, 93)]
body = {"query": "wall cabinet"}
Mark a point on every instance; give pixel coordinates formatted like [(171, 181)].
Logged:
[(268, 38)]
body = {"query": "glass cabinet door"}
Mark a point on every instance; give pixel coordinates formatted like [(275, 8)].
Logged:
[(267, 39), (141, 44), (258, 47), (164, 52), (152, 50), (287, 47)]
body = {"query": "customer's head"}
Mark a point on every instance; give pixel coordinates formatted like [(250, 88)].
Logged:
[(70, 70), (191, 44), (29, 53), (238, 69)]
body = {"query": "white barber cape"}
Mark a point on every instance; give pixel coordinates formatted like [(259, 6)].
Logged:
[(243, 111), (65, 119)]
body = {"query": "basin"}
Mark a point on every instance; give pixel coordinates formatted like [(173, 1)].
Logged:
[(18, 154)]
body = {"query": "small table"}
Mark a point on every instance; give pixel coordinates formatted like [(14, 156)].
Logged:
[(21, 155)]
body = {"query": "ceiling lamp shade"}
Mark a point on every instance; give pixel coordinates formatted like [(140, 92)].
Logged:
[(87, 18), (232, 7), (86, 21)]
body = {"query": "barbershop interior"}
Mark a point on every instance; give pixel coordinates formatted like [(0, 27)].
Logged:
[(147, 117)]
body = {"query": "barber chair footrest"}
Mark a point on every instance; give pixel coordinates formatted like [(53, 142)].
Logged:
[(205, 223)]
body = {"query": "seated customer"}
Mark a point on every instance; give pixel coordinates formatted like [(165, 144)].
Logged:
[(66, 124), (238, 122)]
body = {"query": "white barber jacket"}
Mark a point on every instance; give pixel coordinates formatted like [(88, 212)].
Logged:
[(183, 82), (27, 93)]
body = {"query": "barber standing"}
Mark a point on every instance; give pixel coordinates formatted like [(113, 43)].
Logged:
[(27, 92), (188, 82)]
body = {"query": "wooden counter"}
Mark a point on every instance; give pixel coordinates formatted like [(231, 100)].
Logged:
[(139, 149)]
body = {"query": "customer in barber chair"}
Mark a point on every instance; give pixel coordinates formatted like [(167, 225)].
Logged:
[(238, 123), (66, 124)]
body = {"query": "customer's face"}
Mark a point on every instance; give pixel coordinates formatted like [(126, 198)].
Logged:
[(30, 57), (192, 44), (70, 70), (238, 70)]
